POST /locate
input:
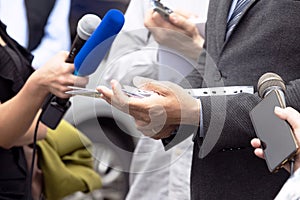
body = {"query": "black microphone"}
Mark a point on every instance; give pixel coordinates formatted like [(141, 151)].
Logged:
[(54, 108), (87, 61), (269, 82), (86, 26)]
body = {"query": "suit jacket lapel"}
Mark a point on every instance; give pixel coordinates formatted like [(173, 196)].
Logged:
[(221, 21)]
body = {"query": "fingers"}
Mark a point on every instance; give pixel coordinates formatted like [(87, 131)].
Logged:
[(255, 143), (259, 153), (106, 93), (292, 116), (56, 75), (115, 93), (184, 24), (157, 24), (116, 97), (117, 90), (289, 114), (64, 54), (153, 19)]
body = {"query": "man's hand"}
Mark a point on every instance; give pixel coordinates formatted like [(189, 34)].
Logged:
[(293, 118), (156, 116), (178, 33)]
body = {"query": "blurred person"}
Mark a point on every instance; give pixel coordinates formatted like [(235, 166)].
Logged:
[(40, 26), (22, 93), (136, 52), (290, 189), (136, 41), (239, 47)]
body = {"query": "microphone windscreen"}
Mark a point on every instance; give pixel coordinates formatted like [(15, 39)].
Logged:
[(96, 47), (267, 81), (87, 25)]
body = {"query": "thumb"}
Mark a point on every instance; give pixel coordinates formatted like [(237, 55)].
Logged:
[(290, 115)]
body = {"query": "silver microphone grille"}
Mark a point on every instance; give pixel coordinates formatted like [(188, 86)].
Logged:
[(86, 25)]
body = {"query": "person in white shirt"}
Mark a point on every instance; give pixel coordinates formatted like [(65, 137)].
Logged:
[(155, 173), (290, 189), (56, 36)]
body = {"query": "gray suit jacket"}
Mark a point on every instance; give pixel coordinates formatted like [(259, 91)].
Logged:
[(266, 39)]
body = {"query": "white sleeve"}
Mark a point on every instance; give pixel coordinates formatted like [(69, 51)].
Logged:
[(57, 34), (134, 52), (291, 189)]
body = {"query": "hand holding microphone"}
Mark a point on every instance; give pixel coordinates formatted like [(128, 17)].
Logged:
[(54, 108), (277, 139), (292, 116), (55, 76), (86, 26), (86, 61)]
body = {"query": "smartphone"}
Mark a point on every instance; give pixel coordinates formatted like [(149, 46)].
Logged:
[(277, 139), (161, 9), (128, 90)]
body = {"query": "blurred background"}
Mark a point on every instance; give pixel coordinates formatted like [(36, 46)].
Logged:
[(111, 136), (98, 7)]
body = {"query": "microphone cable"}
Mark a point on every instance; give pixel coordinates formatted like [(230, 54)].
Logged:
[(292, 164), (34, 149)]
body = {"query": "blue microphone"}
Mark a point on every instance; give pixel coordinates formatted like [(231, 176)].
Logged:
[(96, 47), (86, 62)]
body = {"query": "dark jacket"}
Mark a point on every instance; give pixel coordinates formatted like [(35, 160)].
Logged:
[(15, 68), (266, 39)]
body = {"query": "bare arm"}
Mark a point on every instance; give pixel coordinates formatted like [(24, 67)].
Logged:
[(27, 138), (18, 113)]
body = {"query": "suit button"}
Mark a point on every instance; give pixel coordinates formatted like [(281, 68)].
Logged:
[(217, 76)]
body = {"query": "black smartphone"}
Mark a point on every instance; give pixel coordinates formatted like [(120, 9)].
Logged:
[(277, 139), (161, 9)]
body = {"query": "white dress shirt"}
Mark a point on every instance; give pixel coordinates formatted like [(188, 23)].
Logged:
[(291, 189), (155, 173), (57, 33)]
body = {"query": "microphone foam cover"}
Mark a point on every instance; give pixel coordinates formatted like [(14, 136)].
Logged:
[(269, 80), (96, 47)]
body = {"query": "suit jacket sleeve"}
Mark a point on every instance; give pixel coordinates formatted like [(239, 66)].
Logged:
[(227, 122)]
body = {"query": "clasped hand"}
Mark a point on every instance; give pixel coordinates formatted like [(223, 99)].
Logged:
[(158, 115)]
